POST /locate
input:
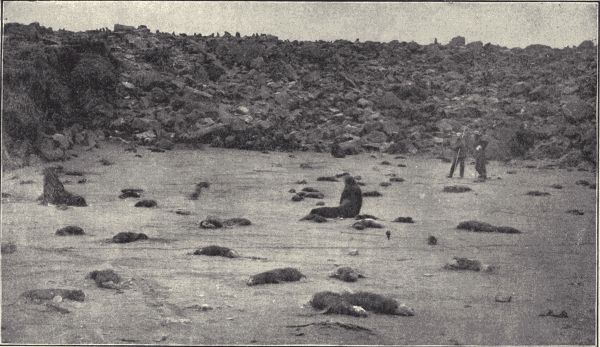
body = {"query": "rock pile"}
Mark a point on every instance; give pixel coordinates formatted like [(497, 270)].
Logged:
[(258, 92)]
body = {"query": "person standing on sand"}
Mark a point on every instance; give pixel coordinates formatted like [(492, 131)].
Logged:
[(480, 159), (461, 153)]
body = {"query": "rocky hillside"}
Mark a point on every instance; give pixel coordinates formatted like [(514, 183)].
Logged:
[(63, 90)]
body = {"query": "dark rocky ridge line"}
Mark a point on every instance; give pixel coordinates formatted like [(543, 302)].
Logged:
[(64, 90)]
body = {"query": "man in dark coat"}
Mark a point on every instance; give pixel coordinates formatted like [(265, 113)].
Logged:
[(480, 160), (460, 147)]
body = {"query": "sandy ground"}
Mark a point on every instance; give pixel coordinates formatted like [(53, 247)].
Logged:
[(551, 265)]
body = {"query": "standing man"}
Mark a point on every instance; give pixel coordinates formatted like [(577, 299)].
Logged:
[(480, 159), (461, 153)]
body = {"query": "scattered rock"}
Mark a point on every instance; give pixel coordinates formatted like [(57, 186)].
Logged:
[(366, 223), (105, 278), (582, 183), (556, 186), (274, 276), (292, 191), (310, 189), (337, 151), (26, 182), (301, 182), (385, 184), (320, 203), (49, 294), (385, 162), (126, 237), (346, 274), (404, 220), (217, 251), (456, 189), (327, 179), (353, 252), (396, 179), (146, 203), (70, 230), (373, 193)]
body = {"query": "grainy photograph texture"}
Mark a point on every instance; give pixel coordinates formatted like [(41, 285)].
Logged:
[(299, 173)]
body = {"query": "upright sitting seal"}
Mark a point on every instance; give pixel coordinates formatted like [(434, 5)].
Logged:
[(350, 202)]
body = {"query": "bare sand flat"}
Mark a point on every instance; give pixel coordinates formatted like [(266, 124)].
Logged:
[(551, 265)]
